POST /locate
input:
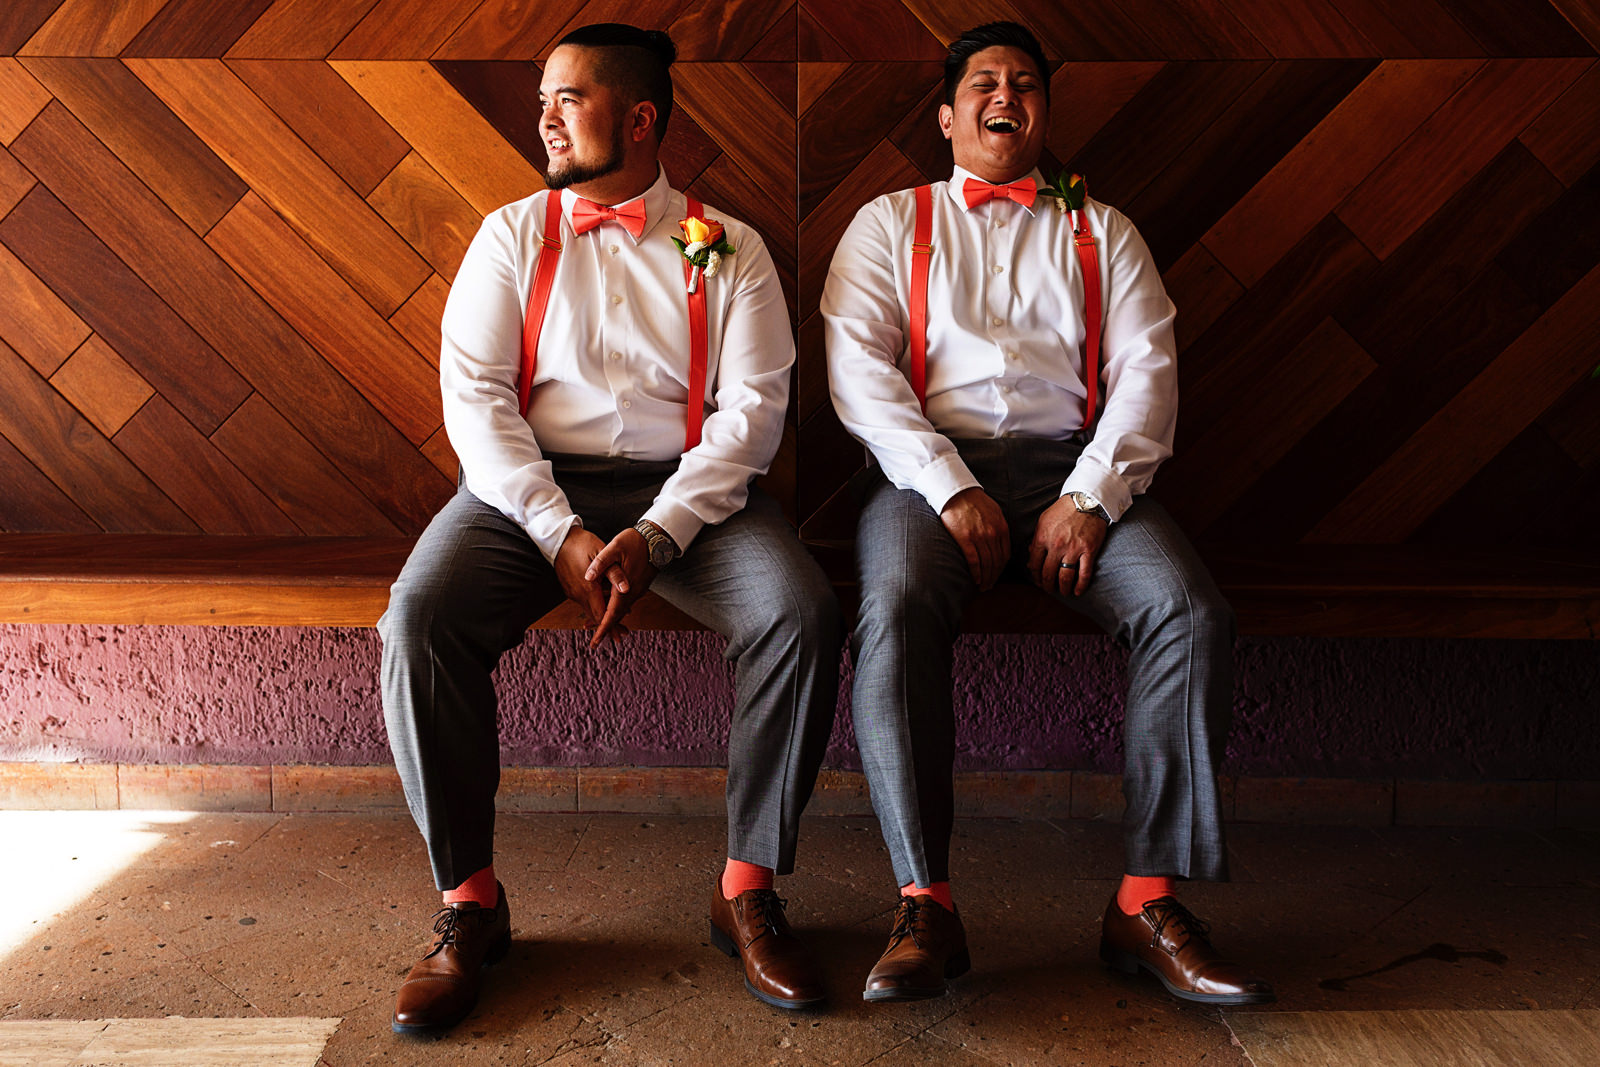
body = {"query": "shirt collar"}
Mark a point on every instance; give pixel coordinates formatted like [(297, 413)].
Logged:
[(958, 180), (657, 200)]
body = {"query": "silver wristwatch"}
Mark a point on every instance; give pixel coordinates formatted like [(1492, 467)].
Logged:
[(1089, 505), (663, 549)]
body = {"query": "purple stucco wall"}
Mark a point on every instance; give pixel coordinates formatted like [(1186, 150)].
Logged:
[(1303, 706)]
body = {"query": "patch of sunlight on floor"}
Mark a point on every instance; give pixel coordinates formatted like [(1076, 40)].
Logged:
[(59, 858)]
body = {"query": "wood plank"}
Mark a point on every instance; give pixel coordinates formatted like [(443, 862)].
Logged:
[(1198, 484), (1303, 30), (947, 21), (69, 451), (812, 41), (1233, 153), (381, 364), (1200, 29), (811, 367), (196, 475), (1163, 118), (300, 29), (1583, 15), (504, 29), (507, 95), (31, 502), (813, 79), (780, 80), (656, 16), (726, 187), (418, 318), (884, 170), (427, 212), (404, 29), (1563, 138), (133, 123), (1518, 29), (33, 320), (20, 20), (1454, 144), (781, 43), (270, 452), (1500, 403), (173, 559), (1417, 1038), (21, 98), (705, 32), (755, 130), (101, 385), (1417, 28), (875, 30), (189, 604), (1202, 289), (289, 176), (115, 303), (1088, 95), (1320, 171), (1096, 31), (849, 120), (15, 181), (446, 131), (233, 317), (441, 455), (328, 115), (195, 28), (918, 136), (1558, 246), (91, 28)]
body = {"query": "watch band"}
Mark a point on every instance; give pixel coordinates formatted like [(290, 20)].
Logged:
[(663, 549)]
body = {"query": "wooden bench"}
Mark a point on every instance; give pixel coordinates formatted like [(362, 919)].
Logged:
[(1364, 591)]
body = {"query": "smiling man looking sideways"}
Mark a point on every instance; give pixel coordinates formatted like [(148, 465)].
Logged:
[(967, 352), (610, 403)]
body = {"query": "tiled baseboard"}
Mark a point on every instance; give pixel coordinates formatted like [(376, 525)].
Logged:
[(698, 791)]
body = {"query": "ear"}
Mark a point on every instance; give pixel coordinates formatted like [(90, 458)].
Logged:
[(642, 123), (947, 117)]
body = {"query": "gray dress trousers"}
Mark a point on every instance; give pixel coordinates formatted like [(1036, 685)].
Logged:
[(475, 582), (1149, 589)]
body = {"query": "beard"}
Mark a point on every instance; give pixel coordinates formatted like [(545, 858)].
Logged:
[(576, 172)]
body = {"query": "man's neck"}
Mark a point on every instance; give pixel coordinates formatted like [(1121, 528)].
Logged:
[(619, 186), (998, 177)]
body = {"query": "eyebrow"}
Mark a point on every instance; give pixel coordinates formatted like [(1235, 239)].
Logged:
[(558, 90), (1024, 73)]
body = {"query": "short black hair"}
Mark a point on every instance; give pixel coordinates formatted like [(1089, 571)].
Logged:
[(991, 35), (633, 63)]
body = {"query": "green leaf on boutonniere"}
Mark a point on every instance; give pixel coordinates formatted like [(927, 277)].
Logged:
[(1070, 189)]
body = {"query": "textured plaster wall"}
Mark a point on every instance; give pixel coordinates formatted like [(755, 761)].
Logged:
[(1303, 706)]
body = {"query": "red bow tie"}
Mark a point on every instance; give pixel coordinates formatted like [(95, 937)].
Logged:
[(586, 215), (1023, 191)]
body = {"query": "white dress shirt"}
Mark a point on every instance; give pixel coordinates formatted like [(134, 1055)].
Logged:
[(613, 365), (1005, 342)]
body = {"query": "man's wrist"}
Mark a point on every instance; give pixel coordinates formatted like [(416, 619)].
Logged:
[(662, 548), (1088, 505)]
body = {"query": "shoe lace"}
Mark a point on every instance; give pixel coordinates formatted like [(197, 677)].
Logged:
[(447, 925), (906, 923), (766, 908), (1164, 912)]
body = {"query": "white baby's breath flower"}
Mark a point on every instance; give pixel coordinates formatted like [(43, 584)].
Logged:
[(1060, 205), (692, 247), (713, 263)]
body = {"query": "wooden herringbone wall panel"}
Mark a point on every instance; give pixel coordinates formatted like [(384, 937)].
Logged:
[(1380, 224), (227, 232)]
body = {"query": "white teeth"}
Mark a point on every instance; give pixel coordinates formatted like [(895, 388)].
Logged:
[(1000, 122), (559, 145)]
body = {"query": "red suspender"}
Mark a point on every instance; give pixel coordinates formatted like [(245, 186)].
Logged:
[(544, 276), (921, 255), (697, 347), (922, 252)]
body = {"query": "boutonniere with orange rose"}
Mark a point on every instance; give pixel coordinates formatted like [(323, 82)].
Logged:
[(1069, 191), (703, 244)]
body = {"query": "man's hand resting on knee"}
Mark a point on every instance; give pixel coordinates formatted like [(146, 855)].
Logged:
[(979, 527)]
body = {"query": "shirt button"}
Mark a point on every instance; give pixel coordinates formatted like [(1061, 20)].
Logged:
[(998, 269), (1012, 356), (627, 404), (615, 356), (997, 321), (615, 249), (616, 300), (999, 224)]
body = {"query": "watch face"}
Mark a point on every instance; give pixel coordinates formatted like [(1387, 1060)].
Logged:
[(660, 554)]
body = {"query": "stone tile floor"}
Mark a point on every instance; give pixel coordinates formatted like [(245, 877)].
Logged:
[(147, 915)]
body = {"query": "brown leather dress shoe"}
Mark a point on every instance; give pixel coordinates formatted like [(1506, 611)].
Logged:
[(443, 987), (778, 968), (927, 945), (1167, 940)]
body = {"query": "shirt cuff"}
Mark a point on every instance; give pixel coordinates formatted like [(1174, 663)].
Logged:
[(943, 479), (681, 524), (551, 529), (1102, 483)]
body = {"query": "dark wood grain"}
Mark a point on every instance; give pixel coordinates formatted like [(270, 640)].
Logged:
[(779, 79), (33, 320), (505, 29), (119, 306), (507, 94), (1305, 29), (77, 457), (781, 43), (1199, 29), (429, 214), (404, 29), (101, 385), (1562, 137), (1557, 247), (1099, 30), (234, 319), (705, 32), (418, 318), (195, 28), (1085, 96), (15, 181), (884, 170), (874, 29), (1512, 29), (20, 20), (128, 118), (1202, 289), (1415, 28), (290, 471), (198, 477), (29, 501), (300, 29), (21, 98), (328, 115), (754, 129), (846, 123), (813, 43)]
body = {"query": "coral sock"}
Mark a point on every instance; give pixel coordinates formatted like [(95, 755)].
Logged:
[(939, 891), (739, 876), (480, 888), (1136, 889)]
